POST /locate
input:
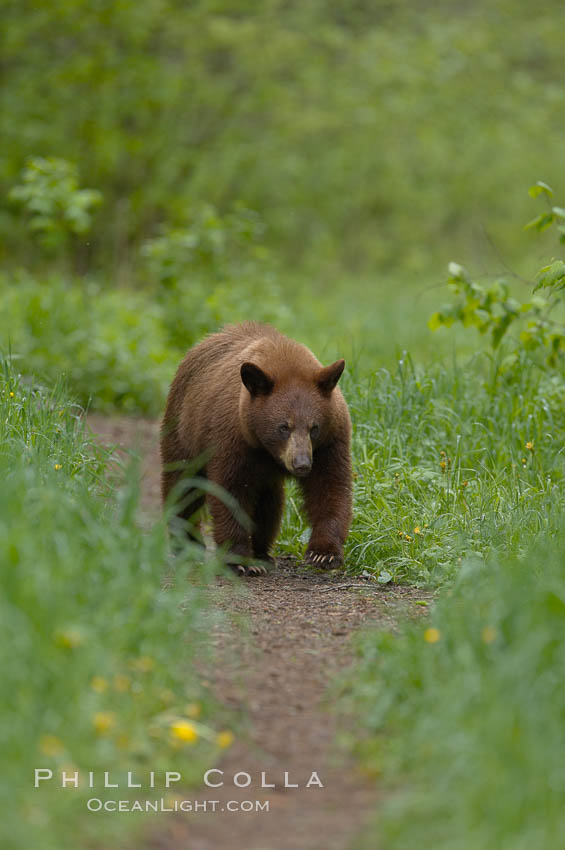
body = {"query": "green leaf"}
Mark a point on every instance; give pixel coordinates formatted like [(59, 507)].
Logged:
[(539, 187), (552, 276), (540, 222), (530, 339), (498, 333), (482, 317), (555, 603)]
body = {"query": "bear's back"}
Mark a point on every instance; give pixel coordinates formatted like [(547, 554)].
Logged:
[(203, 403), (217, 360)]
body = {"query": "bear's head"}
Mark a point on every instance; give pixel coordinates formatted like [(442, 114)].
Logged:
[(290, 414)]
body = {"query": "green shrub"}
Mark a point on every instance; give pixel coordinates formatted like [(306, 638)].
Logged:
[(361, 132), (56, 208), (492, 310), (214, 271), (110, 346)]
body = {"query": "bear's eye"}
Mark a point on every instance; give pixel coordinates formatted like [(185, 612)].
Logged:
[(284, 430), (314, 431)]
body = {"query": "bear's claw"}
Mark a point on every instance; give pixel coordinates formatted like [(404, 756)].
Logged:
[(322, 560), (253, 570)]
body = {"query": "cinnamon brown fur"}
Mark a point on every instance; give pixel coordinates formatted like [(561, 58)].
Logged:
[(250, 406)]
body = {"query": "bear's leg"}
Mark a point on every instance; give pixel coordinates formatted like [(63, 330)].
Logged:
[(267, 520), (327, 499), (228, 531), (188, 502)]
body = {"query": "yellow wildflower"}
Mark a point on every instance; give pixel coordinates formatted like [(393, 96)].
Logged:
[(530, 446), (408, 538), (104, 721), (121, 683), (443, 464), (225, 739), (70, 637), (11, 395), (50, 745), (143, 664), (432, 635), (417, 530), (57, 466), (489, 634), (182, 730), (99, 684)]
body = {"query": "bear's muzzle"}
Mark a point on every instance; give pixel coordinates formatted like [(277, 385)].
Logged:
[(297, 454)]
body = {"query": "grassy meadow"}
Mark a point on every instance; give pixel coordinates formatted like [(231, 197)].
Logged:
[(461, 716), (97, 656), (169, 167)]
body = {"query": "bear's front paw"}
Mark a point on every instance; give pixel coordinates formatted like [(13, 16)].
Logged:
[(252, 570), (323, 560)]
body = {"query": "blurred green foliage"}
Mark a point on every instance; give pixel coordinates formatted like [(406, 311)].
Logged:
[(492, 310), (209, 246), (56, 207), (117, 348), (109, 344), (213, 267), (462, 715), (366, 135), (97, 660)]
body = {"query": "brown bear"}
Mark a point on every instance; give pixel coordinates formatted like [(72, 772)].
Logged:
[(248, 407)]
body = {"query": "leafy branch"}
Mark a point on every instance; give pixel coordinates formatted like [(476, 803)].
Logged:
[(493, 310)]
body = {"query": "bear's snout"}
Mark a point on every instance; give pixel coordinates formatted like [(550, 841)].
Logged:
[(297, 455), (301, 465)]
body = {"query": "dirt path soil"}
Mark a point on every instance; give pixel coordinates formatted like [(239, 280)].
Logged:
[(275, 672)]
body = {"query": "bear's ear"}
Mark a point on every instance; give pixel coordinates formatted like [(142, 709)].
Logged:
[(256, 381), (328, 377)]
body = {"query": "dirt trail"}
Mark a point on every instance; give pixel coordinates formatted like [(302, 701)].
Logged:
[(275, 673)]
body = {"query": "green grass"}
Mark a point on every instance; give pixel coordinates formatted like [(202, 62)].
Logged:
[(486, 492), (449, 461), (459, 477), (97, 656), (375, 143), (462, 716)]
